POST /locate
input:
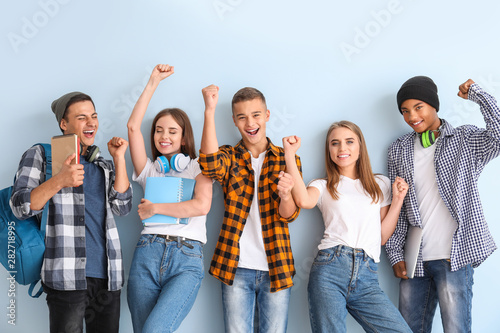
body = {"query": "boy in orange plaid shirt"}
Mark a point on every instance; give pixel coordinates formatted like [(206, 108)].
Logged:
[(253, 257)]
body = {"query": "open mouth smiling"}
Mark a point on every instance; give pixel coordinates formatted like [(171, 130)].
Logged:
[(252, 132)]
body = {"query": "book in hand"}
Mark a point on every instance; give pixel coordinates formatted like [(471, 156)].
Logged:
[(412, 249), (63, 146), (168, 190)]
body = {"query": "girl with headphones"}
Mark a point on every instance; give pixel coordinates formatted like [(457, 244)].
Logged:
[(167, 268), (359, 217)]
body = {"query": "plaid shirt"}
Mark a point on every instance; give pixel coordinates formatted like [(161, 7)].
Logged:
[(461, 154), (65, 259), (232, 168)]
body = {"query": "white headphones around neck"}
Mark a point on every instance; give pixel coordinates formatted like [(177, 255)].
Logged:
[(178, 162)]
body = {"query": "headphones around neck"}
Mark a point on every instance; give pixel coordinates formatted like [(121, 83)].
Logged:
[(178, 162), (93, 153), (428, 138)]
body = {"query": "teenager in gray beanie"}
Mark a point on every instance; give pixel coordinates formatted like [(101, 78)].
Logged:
[(60, 105), (82, 270), (441, 164)]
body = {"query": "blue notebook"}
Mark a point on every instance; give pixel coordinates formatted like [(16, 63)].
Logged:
[(168, 190)]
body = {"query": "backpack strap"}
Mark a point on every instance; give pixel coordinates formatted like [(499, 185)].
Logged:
[(48, 174), (32, 287), (48, 159), (47, 150)]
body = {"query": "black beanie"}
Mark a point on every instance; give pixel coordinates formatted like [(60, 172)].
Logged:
[(421, 88)]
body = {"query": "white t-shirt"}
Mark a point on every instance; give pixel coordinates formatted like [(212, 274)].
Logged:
[(352, 220), (252, 250), (437, 222), (195, 228)]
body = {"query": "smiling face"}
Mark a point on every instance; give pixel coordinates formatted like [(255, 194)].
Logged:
[(344, 147), (420, 116), (250, 118), (81, 119), (168, 136)]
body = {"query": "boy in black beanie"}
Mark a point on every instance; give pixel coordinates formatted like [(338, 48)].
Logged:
[(441, 164)]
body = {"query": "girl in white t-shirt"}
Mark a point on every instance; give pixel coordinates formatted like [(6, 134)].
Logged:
[(359, 217), (167, 267)]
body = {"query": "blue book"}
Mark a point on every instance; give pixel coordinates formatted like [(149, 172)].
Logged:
[(168, 190)]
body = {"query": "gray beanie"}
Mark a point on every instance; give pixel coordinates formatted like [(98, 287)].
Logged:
[(59, 105), (421, 88)]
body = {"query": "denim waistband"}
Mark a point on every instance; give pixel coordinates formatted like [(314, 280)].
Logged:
[(343, 249), (167, 238)]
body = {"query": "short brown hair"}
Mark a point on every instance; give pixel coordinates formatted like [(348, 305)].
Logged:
[(247, 94), (182, 119), (81, 97)]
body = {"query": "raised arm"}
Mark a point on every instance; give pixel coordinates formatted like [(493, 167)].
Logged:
[(463, 89), (117, 147), (287, 205), (484, 143), (389, 214), (304, 197), (209, 144), (135, 137)]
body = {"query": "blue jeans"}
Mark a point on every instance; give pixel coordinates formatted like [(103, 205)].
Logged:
[(251, 291), (164, 280), (418, 297), (342, 280)]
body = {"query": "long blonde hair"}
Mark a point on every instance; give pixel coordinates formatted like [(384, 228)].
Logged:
[(363, 166)]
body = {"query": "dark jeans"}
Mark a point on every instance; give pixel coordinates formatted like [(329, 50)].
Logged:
[(97, 305)]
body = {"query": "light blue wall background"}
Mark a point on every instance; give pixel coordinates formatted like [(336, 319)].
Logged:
[(316, 62)]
